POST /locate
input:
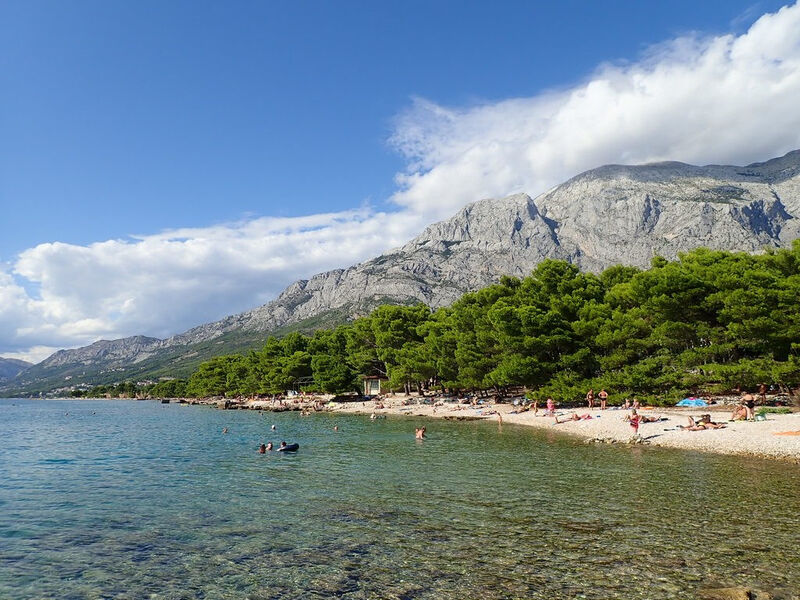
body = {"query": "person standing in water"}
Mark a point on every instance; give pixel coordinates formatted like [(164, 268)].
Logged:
[(419, 433)]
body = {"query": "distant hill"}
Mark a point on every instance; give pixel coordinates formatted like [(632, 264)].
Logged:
[(609, 215), (11, 367)]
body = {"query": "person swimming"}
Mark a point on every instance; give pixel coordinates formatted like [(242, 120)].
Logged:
[(262, 449), (269, 446)]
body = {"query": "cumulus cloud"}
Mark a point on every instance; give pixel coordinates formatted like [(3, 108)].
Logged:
[(724, 99), (165, 283)]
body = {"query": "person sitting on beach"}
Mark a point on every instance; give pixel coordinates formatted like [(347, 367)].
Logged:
[(739, 413), (269, 446), (636, 404), (419, 433), (749, 402), (262, 449), (551, 407), (574, 417)]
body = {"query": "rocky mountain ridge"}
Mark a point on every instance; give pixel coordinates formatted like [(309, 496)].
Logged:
[(11, 367), (609, 215)]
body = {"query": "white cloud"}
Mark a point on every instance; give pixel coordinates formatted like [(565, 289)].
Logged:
[(168, 282), (723, 99)]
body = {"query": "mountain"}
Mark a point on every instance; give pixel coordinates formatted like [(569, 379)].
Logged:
[(609, 215), (11, 367)]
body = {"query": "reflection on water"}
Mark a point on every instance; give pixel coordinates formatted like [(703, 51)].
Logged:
[(124, 499)]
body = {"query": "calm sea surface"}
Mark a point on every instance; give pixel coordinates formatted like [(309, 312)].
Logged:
[(126, 499)]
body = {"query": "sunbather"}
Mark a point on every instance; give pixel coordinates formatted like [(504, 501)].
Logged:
[(739, 413), (701, 425), (574, 417)]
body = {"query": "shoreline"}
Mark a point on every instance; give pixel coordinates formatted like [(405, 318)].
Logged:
[(743, 438), (746, 438)]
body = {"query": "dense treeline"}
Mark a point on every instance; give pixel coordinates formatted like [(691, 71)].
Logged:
[(172, 388), (710, 321)]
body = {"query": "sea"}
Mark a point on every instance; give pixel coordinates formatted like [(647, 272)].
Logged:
[(137, 499)]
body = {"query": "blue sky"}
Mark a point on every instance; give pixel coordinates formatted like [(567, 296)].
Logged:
[(182, 122), (127, 118)]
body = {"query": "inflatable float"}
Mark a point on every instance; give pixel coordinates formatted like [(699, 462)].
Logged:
[(289, 448)]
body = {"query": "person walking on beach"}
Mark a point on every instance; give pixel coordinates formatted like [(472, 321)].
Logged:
[(603, 395), (590, 397)]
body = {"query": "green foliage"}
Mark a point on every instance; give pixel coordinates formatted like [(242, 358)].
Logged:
[(172, 388), (714, 321), (775, 410)]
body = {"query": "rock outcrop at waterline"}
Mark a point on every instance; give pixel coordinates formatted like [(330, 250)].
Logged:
[(609, 215)]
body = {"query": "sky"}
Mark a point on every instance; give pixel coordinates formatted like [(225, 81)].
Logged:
[(164, 165)]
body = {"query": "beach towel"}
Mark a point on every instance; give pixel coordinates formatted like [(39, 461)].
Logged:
[(786, 433), (692, 402)]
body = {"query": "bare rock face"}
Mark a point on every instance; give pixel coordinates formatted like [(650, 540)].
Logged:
[(610, 215), (104, 351)]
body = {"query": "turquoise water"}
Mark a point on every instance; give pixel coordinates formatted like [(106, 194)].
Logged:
[(126, 499)]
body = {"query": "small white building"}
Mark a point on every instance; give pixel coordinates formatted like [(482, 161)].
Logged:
[(372, 385)]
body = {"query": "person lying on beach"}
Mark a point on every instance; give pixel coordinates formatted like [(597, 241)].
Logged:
[(700, 425), (644, 419), (574, 417)]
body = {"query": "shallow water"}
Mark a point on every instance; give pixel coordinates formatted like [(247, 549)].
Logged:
[(126, 499)]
